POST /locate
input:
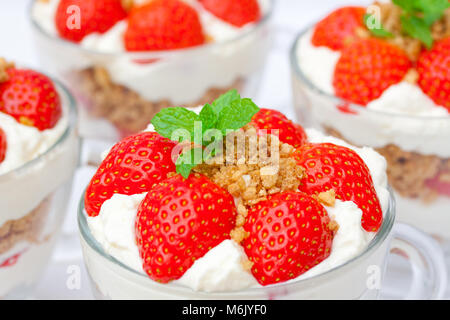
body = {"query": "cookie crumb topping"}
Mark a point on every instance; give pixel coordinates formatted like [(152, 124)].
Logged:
[(327, 198), (4, 66)]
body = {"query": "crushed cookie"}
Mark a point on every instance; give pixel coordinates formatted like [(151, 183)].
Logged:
[(327, 198), (247, 265), (4, 66), (127, 4), (239, 234), (412, 76), (333, 226), (125, 108)]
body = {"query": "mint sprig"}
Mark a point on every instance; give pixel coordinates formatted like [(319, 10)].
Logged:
[(228, 113), (419, 15), (375, 27)]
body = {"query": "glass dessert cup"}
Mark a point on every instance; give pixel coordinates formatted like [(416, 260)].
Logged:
[(422, 200), (34, 199), (186, 77), (111, 279)]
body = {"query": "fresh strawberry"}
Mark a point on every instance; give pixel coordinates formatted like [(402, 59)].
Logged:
[(329, 166), (9, 262), (368, 67), (434, 73), (440, 183), (132, 166), (179, 221), (76, 19), (163, 25), (31, 98), (235, 12), (289, 234), (3, 145), (339, 26), (289, 132)]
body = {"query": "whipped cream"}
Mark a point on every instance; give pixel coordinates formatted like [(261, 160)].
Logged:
[(403, 115), (178, 78), (221, 268)]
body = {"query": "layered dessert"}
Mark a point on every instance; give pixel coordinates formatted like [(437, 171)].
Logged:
[(129, 59), (38, 155), (264, 203), (377, 76)]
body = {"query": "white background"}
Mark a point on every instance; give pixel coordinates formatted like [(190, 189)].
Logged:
[(290, 17)]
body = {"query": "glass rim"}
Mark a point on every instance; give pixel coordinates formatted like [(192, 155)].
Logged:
[(299, 74), (379, 238), (155, 53), (72, 115)]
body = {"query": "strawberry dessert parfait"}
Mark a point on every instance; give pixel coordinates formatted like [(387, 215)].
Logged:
[(127, 60), (234, 201), (366, 75), (38, 155)]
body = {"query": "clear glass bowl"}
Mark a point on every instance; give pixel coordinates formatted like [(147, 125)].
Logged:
[(33, 201), (111, 279), (416, 155), (120, 92)]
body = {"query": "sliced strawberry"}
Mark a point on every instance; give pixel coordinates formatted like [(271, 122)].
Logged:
[(339, 26), (289, 132), (434, 73), (329, 166), (179, 221), (163, 25), (3, 145), (289, 234), (132, 166), (368, 67), (75, 19), (235, 12), (31, 98), (440, 183)]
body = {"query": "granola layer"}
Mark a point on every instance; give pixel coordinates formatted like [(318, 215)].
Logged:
[(409, 172), (27, 228), (125, 108)]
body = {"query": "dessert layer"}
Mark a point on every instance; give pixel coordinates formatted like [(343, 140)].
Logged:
[(403, 115), (239, 52)]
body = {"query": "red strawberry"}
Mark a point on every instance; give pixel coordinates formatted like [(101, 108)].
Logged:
[(179, 221), (329, 166), (337, 27), (289, 132), (76, 19), (434, 73), (289, 234), (368, 67), (440, 183), (132, 166), (163, 25), (31, 98), (236, 12), (3, 145)]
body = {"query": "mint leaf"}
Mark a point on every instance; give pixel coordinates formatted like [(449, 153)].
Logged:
[(418, 29), (225, 100), (237, 115), (207, 117), (186, 161), (407, 5), (170, 119), (370, 21), (432, 9)]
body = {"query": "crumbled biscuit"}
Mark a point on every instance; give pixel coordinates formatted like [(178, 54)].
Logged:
[(247, 265), (4, 66), (125, 108), (412, 76), (327, 198), (333, 226), (27, 228), (409, 172), (239, 234), (127, 4)]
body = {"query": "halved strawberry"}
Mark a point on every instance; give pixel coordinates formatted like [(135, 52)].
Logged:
[(75, 19), (132, 166), (434, 73), (31, 98), (179, 221), (368, 67), (3, 145), (329, 166), (289, 132), (289, 234), (236, 12), (163, 25), (339, 26), (440, 183)]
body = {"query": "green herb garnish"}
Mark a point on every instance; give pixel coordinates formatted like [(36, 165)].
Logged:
[(375, 27), (228, 113)]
